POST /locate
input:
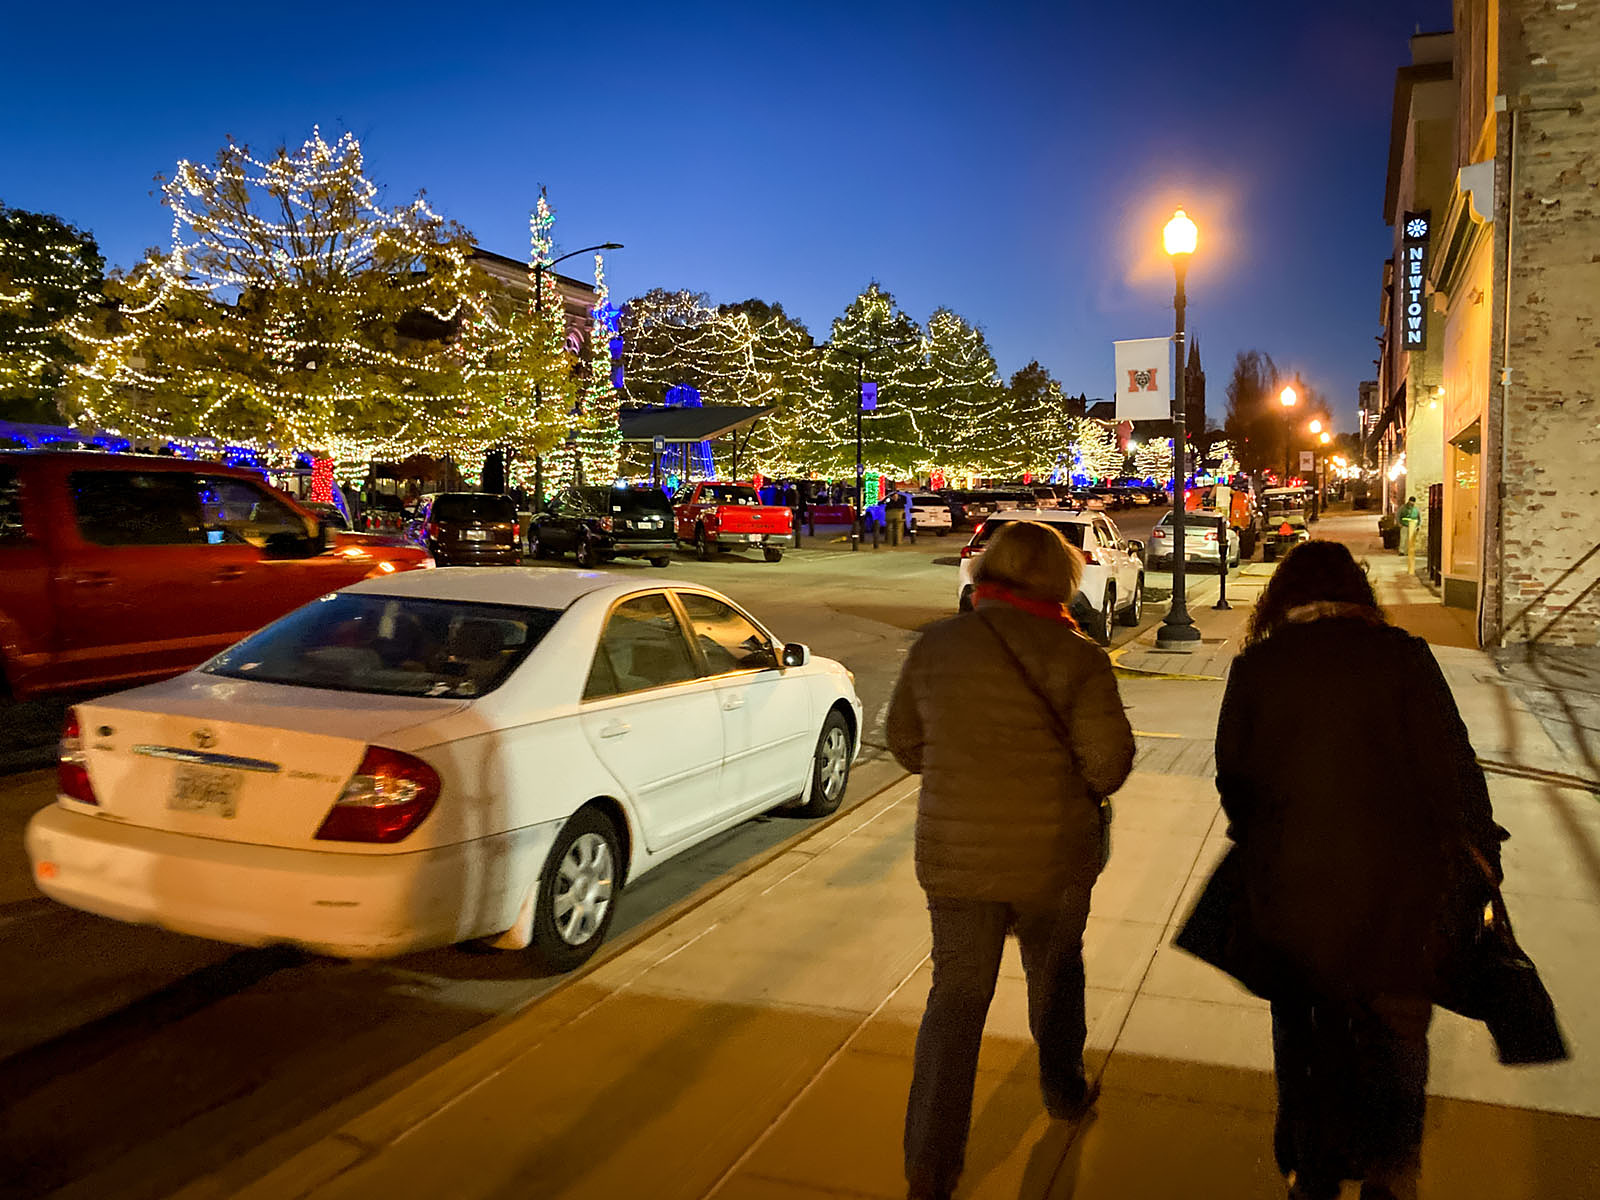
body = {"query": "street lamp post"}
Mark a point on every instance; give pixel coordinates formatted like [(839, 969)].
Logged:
[(1316, 494), (1178, 630), (1323, 437), (1288, 398), (538, 388)]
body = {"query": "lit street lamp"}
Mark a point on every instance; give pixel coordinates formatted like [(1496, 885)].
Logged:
[(1288, 398), (1177, 630)]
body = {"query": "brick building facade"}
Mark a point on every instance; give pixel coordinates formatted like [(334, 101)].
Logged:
[(1514, 278)]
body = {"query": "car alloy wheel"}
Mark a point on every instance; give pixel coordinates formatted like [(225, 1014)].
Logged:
[(830, 772), (1108, 609), (1135, 610), (584, 553), (577, 891), (702, 547)]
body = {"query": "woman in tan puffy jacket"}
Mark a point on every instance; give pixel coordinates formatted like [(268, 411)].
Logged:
[(1013, 719)]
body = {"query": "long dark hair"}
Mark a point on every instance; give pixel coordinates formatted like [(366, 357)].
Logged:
[(1312, 573)]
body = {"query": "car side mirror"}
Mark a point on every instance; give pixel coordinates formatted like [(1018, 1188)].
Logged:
[(1135, 546), (796, 654), (288, 544)]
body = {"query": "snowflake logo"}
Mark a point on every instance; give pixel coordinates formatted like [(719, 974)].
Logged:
[(1416, 228)]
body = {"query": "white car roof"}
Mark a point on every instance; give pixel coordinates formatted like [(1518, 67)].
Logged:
[(537, 587), (1048, 516)]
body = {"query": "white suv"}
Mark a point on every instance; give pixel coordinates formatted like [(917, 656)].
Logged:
[(931, 512), (1113, 574)]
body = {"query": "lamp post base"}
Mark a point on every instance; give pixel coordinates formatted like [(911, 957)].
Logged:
[(1181, 635)]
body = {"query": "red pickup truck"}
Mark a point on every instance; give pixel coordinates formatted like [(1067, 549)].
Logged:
[(730, 516), (120, 567)]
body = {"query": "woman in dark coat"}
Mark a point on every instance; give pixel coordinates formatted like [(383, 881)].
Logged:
[(1012, 718), (1352, 790)]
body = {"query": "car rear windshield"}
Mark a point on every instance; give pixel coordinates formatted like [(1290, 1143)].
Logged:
[(1071, 530), (630, 500), (473, 506), (930, 502), (729, 495), (390, 646)]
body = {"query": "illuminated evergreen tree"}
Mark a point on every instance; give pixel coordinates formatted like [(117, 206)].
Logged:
[(50, 275), (873, 340), (599, 433), (963, 422), (1152, 459)]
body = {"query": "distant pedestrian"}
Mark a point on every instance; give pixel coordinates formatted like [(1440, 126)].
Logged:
[(1410, 521), (1350, 829), (1012, 718)]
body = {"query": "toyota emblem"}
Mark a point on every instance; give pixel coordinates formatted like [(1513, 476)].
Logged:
[(204, 739)]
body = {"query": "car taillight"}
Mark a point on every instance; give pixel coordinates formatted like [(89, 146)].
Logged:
[(1159, 533), (433, 529), (1211, 536), (385, 800), (516, 530), (970, 551), (606, 523), (72, 774)]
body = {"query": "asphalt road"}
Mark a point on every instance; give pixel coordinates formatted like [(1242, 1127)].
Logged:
[(134, 1061)]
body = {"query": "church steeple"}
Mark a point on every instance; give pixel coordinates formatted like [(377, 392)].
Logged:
[(1194, 396)]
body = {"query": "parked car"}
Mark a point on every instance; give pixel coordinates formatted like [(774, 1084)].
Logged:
[(714, 517), (468, 529), (118, 567), (1112, 589), (1046, 497), (1086, 500), (932, 513), (1201, 542), (423, 760), (970, 507), (384, 513), (1284, 521), (598, 524)]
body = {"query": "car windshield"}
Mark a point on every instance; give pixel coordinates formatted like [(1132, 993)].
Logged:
[(727, 494), (1071, 530), (473, 506), (390, 646)]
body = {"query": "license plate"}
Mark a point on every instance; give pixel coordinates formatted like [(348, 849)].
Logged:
[(205, 790), (476, 535), (755, 537)]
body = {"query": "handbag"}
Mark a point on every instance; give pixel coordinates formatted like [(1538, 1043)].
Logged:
[(1060, 731), (1218, 930), (1486, 976)]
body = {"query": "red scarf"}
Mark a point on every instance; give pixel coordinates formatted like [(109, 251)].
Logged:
[(1048, 609)]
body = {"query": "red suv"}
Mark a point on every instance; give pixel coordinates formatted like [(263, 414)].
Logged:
[(118, 567)]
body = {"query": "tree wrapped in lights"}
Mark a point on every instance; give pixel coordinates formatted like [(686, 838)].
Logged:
[(772, 363), (962, 420), (50, 275), (1152, 459), (873, 340), (1095, 452), (292, 308), (599, 433)]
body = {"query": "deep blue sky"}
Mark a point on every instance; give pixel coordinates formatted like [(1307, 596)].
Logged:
[(1012, 161)]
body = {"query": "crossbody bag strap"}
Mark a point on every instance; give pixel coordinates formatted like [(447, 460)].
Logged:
[(1027, 678)]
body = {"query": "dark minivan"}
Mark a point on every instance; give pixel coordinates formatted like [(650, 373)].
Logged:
[(469, 529), (601, 523)]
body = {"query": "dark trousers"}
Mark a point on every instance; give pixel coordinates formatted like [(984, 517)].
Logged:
[(1352, 1087), (968, 939)]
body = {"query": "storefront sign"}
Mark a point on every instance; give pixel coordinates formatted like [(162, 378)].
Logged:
[(1414, 235)]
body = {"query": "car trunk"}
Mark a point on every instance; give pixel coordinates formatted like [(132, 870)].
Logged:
[(468, 536), (159, 757)]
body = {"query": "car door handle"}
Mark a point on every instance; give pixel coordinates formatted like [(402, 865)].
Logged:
[(730, 703), (94, 579), (615, 729), (229, 573)]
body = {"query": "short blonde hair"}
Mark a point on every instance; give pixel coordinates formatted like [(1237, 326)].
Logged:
[(1033, 560)]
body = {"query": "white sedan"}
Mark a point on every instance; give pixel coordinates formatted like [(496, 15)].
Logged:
[(440, 756)]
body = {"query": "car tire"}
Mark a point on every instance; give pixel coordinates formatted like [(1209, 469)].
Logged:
[(830, 767), (965, 603), (771, 553), (702, 546), (536, 548), (584, 553), (1135, 610), (661, 560), (1107, 616), (941, 533), (578, 891)]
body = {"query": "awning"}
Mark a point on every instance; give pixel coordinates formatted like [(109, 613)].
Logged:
[(679, 425)]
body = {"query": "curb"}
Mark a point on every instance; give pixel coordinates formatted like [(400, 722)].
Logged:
[(294, 1163)]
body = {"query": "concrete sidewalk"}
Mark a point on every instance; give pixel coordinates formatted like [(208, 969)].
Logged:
[(760, 1045)]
